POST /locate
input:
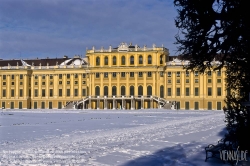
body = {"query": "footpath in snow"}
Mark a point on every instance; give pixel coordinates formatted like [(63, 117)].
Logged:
[(90, 137)]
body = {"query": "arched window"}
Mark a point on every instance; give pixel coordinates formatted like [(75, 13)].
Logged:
[(106, 60), (123, 91), (140, 91), (114, 91), (149, 59), (149, 91), (140, 59), (132, 90), (106, 91), (161, 59), (97, 61), (123, 60), (132, 60), (97, 91), (161, 91), (114, 60)]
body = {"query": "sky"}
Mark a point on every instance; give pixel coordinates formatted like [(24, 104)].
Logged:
[(54, 28)]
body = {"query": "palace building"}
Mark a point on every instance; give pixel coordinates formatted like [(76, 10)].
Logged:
[(125, 77)]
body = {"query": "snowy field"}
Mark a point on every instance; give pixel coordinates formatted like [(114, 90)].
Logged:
[(91, 137)]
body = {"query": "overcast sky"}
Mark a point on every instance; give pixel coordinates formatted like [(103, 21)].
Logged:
[(53, 28)]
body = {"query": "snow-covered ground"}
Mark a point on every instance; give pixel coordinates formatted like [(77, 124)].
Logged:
[(91, 137)]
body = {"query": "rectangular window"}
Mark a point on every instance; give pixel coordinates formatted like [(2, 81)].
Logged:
[(219, 73), (149, 74), (4, 77), (97, 75), (43, 92), (169, 92), (12, 83), (21, 76), (123, 74), (36, 77), (76, 82), (36, 83), (68, 92), (35, 105), (196, 73), (12, 77), (60, 82), (20, 104), (187, 73), (51, 92), (209, 73), (169, 81), (178, 74), (51, 83), (83, 92), (209, 81), (50, 105), (76, 75), (140, 74), (43, 77), (187, 91), (196, 81), (59, 105), (186, 105), (4, 92), (218, 105), (83, 75), (178, 81), (187, 80), (60, 76), (4, 83), (219, 91), (68, 82), (36, 93), (21, 93), (218, 80), (209, 91), (196, 105), (21, 83), (12, 105), (68, 76), (84, 82), (131, 74), (161, 74), (3, 105), (42, 105), (76, 92), (106, 75), (169, 74), (43, 83), (209, 105), (12, 92), (114, 74), (60, 92), (51, 77), (196, 91), (178, 91)]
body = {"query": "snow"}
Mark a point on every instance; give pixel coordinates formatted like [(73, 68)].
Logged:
[(109, 137)]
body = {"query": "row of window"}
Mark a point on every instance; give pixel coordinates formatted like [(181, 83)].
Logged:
[(43, 76), (195, 81), (123, 74), (20, 105), (196, 91), (123, 60), (196, 105), (196, 73), (12, 92)]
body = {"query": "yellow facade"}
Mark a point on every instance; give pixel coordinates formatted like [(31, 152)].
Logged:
[(126, 77)]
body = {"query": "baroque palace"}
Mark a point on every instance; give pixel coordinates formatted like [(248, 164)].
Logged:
[(125, 77)]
